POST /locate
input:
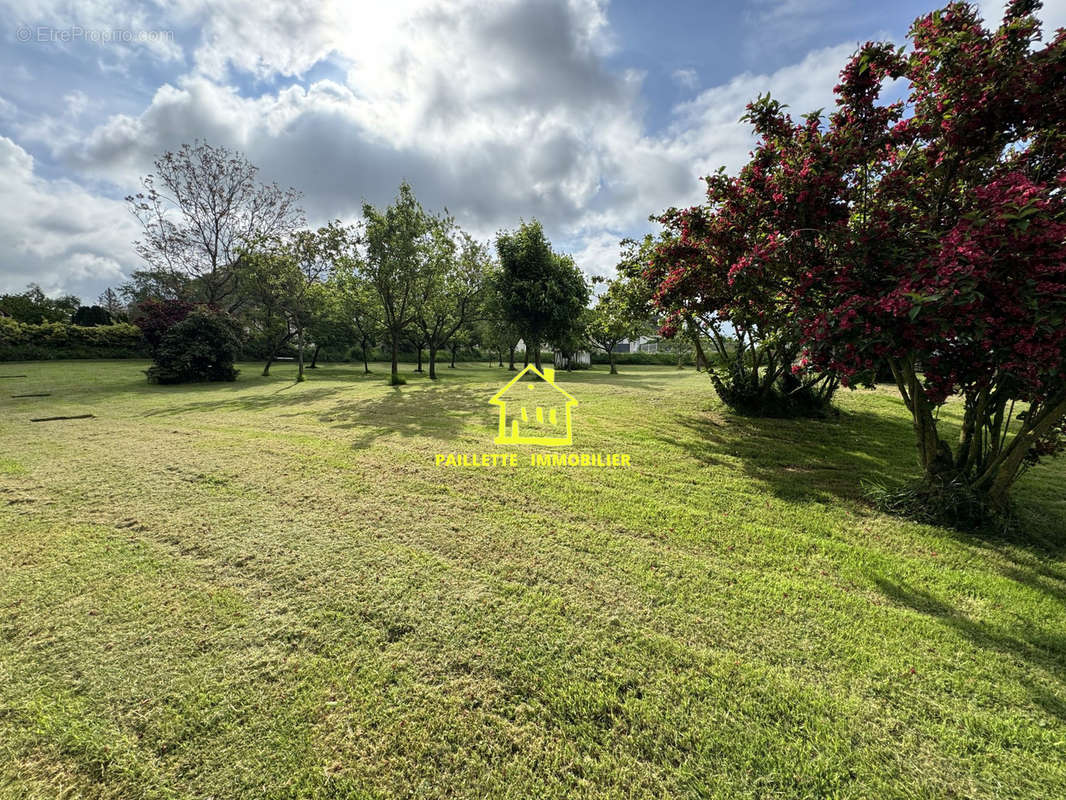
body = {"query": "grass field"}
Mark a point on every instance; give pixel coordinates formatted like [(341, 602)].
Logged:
[(267, 589)]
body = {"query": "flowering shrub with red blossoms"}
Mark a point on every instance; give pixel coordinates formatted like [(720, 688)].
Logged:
[(728, 266), (928, 235)]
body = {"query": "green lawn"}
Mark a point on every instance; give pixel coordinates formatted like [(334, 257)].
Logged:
[(266, 589)]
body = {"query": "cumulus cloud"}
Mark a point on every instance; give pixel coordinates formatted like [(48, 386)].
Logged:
[(599, 253), (496, 109), (56, 233), (121, 30), (706, 126)]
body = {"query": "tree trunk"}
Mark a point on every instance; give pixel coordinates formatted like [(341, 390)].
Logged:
[(300, 355), (314, 358), (454, 348), (499, 355), (934, 455), (419, 367), (395, 379), (512, 366), (1005, 468), (610, 356), (274, 353), (701, 355), (432, 363), (1002, 467), (536, 357), (366, 364)]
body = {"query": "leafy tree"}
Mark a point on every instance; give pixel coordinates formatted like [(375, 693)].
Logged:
[(111, 303), (285, 277), (330, 325), (928, 233), (35, 307), (397, 241), (542, 292), (717, 276), (416, 338), (316, 255), (91, 316), (462, 338), (200, 207), (261, 272), (493, 330), (619, 314), (574, 339), (149, 284), (451, 288), (202, 347), (360, 304), (953, 267)]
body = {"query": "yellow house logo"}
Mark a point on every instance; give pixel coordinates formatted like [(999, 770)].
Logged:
[(534, 412)]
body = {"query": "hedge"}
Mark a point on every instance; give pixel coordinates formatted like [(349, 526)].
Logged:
[(52, 340)]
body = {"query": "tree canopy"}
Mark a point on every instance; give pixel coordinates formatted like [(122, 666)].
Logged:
[(928, 234), (200, 207), (542, 292)]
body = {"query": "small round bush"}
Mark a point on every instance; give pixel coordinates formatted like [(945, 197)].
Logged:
[(202, 347)]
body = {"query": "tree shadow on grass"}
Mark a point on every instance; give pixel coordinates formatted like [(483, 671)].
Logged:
[(439, 411), (261, 393), (1037, 576), (802, 460), (823, 461), (1040, 649), (279, 398)]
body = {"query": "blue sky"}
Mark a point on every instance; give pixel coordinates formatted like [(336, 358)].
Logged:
[(586, 114)]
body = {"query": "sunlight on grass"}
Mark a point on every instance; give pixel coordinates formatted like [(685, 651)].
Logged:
[(263, 589)]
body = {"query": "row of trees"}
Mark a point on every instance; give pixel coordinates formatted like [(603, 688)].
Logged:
[(924, 238), (402, 277), (34, 307)]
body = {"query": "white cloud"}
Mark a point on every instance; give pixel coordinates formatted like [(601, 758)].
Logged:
[(57, 234), (1052, 16), (120, 29), (76, 102), (599, 254), (686, 78), (497, 109)]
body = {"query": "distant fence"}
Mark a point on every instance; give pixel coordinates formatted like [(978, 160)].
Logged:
[(579, 360)]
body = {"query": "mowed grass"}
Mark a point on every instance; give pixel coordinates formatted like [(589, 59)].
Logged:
[(270, 590)]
